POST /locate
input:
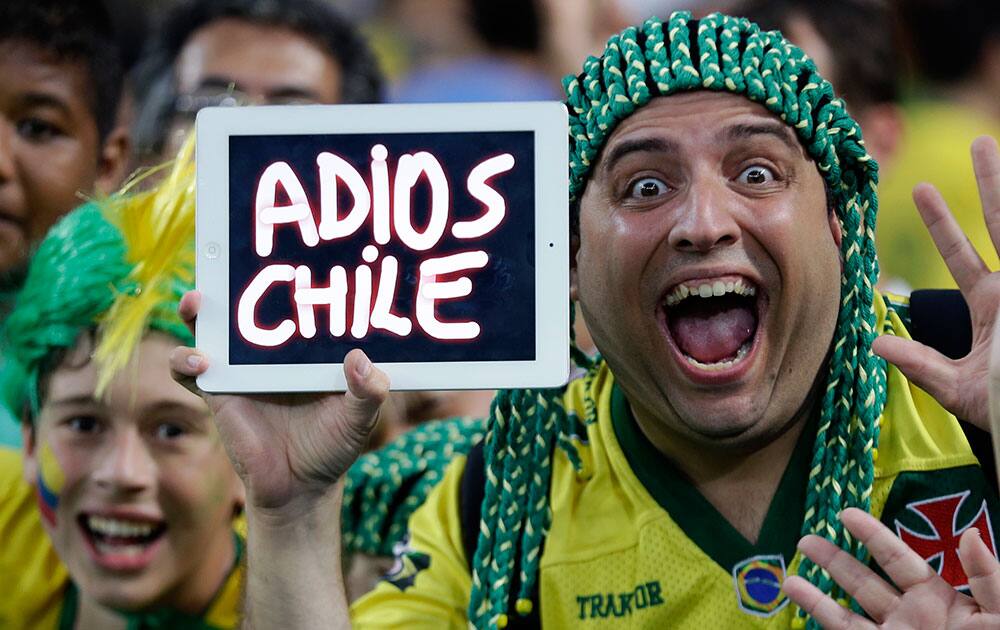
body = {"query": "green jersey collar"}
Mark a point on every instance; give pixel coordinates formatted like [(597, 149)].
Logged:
[(698, 518)]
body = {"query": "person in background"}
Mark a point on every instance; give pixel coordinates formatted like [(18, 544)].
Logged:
[(246, 52), (513, 51), (955, 45), (509, 66), (60, 85), (867, 77), (121, 511)]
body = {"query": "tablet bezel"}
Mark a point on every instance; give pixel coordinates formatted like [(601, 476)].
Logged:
[(548, 122)]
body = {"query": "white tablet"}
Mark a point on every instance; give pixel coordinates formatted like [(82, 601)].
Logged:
[(433, 237)]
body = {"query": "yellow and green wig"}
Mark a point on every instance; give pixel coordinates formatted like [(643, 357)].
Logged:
[(660, 58), (118, 266)]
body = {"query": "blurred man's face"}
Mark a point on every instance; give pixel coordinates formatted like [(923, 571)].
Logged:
[(235, 62), (50, 152)]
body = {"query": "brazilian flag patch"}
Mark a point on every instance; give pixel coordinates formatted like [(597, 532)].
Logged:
[(757, 581)]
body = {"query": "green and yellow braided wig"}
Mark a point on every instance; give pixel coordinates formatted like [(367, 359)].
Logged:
[(118, 264), (728, 54)]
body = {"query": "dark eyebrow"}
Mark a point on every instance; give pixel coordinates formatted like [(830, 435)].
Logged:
[(639, 145), (74, 400), (170, 406), (217, 82), (292, 92), (749, 130), (41, 99)]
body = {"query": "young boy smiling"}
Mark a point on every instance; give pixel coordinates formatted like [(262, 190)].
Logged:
[(120, 511)]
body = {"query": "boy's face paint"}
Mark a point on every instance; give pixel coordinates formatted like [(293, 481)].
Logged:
[(50, 483), (136, 491)]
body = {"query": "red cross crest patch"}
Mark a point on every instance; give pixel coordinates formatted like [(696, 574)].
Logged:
[(941, 516)]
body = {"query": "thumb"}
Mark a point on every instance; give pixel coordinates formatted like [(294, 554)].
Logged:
[(367, 389)]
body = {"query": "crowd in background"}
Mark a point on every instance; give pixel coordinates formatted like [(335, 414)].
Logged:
[(921, 75)]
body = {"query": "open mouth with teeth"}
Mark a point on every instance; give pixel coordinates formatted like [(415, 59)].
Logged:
[(713, 323), (121, 543)]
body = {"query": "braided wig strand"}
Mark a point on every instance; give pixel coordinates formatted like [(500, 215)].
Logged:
[(720, 53)]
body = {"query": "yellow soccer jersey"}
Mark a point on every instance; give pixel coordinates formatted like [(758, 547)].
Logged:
[(37, 593), (634, 545)]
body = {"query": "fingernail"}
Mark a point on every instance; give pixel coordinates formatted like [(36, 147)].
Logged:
[(194, 360), (366, 368)]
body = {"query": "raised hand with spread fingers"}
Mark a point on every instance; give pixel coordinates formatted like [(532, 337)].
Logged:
[(920, 598), (970, 388), (959, 385)]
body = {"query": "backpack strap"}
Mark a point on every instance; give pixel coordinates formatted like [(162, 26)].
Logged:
[(471, 492)]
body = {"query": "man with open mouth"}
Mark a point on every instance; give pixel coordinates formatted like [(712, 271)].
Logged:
[(723, 210)]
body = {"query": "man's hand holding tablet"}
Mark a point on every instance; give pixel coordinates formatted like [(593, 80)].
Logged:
[(292, 450)]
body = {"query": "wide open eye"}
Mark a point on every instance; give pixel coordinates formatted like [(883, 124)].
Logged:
[(37, 130), (169, 431), (648, 187), (83, 424), (756, 176)]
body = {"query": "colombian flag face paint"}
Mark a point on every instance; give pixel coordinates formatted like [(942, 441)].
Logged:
[(50, 483)]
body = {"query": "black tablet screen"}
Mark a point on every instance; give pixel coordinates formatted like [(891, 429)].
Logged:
[(415, 247)]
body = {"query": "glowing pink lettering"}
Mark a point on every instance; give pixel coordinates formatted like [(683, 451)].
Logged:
[(408, 171), (247, 308), (308, 297), (267, 214), (387, 199), (380, 194), (333, 168), (362, 301), (429, 291), (496, 205), (382, 316)]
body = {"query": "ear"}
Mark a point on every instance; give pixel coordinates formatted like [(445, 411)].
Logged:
[(239, 493), (835, 230), (30, 465), (113, 160), (884, 126), (574, 250)]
